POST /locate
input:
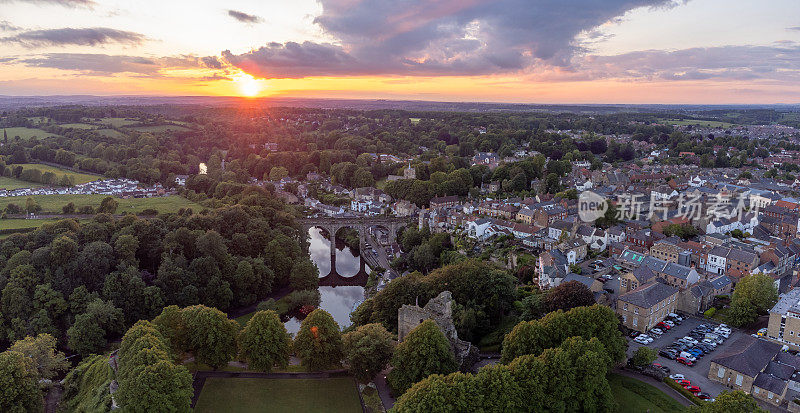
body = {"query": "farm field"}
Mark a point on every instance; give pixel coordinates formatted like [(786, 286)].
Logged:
[(78, 126), (7, 182), (79, 178), (160, 128), (111, 133), (27, 133), (633, 395), (244, 395), (54, 203), (19, 225), (117, 122), (697, 122)]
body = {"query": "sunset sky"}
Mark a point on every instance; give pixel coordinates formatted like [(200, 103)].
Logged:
[(534, 51)]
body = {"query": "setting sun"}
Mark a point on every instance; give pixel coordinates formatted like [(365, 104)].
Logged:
[(248, 85)]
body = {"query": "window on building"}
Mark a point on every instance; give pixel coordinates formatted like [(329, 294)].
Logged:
[(636, 310), (635, 321), (755, 390), (624, 319), (738, 379), (769, 395), (721, 372)]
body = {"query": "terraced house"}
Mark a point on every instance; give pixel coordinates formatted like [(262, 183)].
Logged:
[(641, 309), (758, 367)]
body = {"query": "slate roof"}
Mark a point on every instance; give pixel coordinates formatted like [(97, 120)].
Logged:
[(748, 355), (643, 274), (720, 281), (770, 383), (648, 295), (587, 281)]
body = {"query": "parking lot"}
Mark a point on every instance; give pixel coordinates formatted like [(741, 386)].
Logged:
[(697, 374)]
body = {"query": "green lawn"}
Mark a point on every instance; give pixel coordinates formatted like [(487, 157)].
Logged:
[(14, 183), (54, 203), (78, 178), (634, 395), (27, 133), (239, 395)]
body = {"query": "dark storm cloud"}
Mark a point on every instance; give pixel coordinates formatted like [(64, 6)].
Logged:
[(92, 36), (438, 37), (65, 3), (244, 17)]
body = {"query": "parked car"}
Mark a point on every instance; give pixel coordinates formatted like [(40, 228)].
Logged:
[(643, 339), (685, 361), (677, 376), (683, 382), (688, 356), (656, 331), (693, 389), (703, 396), (665, 369), (668, 354), (664, 326)]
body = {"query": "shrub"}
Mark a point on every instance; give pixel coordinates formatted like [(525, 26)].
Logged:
[(710, 312), (689, 395)]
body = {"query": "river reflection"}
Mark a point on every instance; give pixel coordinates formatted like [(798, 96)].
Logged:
[(338, 301)]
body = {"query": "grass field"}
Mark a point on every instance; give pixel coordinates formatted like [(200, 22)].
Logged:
[(118, 122), (14, 183), (239, 395), (160, 128), (27, 133), (21, 223), (77, 177), (111, 133), (78, 126), (637, 396), (54, 203), (696, 122)]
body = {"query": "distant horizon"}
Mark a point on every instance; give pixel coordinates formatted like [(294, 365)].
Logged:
[(376, 99)]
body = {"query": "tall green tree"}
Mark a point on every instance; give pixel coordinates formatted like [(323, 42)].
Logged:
[(367, 350), (19, 390), (211, 335), (754, 295), (319, 341), (42, 351), (424, 351), (264, 342)]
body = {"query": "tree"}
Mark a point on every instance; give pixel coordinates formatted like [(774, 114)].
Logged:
[(68, 209), (304, 275), (108, 205), (754, 295), (424, 351), (91, 330), (534, 337), (211, 335), (277, 173), (644, 356), (319, 341), (367, 350), (735, 401), (42, 351), (568, 295), (19, 391), (264, 342), (146, 375), (31, 206)]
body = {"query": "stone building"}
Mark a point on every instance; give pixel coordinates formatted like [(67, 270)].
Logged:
[(438, 309)]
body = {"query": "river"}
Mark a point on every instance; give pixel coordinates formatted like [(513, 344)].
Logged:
[(338, 301)]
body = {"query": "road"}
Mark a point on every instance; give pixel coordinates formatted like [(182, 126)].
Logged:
[(380, 253)]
